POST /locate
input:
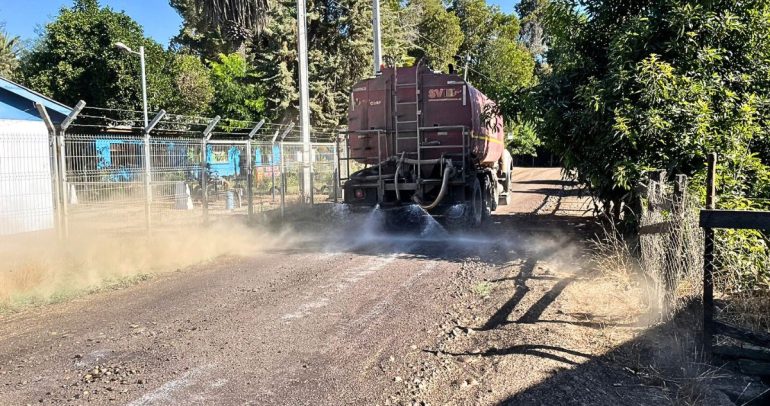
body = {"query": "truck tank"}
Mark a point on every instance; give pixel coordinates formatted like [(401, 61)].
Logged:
[(425, 138), (390, 103)]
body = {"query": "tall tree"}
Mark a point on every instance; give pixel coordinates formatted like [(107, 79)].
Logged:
[(399, 31), (340, 49), (478, 23), (237, 94), (9, 51), (194, 89), (233, 22), (440, 35), (75, 58), (532, 35), (499, 65)]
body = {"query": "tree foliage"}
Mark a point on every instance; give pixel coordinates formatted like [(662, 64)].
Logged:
[(220, 26), (440, 35), (500, 65), (339, 54), (532, 34), (75, 59), (9, 51), (194, 90), (237, 94), (644, 84)]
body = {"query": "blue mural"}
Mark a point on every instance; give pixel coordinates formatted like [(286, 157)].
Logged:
[(224, 161), (259, 158)]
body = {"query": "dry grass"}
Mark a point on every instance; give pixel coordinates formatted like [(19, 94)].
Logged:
[(39, 269), (665, 270)]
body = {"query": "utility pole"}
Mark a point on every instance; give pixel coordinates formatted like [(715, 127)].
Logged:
[(377, 40), (304, 99)]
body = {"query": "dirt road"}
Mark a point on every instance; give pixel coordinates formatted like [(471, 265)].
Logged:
[(345, 316)]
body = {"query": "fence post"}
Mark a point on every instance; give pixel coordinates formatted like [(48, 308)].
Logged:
[(272, 166), (58, 164), (311, 173), (708, 258), (55, 176), (148, 170), (204, 170), (250, 171), (283, 167), (283, 179), (336, 171), (65, 124)]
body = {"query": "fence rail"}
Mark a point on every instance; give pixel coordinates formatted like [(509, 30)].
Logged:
[(690, 251), (710, 220), (129, 178)]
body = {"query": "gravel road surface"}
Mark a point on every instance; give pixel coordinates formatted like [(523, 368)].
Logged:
[(342, 315)]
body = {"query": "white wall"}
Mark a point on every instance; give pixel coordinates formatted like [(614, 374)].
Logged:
[(26, 200)]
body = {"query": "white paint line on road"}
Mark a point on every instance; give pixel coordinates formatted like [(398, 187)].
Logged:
[(378, 308), (164, 394), (306, 309), (348, 280)]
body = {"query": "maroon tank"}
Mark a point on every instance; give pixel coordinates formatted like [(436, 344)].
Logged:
[(442, 107)]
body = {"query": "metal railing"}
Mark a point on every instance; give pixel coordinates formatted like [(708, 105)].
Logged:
[(127, 178)]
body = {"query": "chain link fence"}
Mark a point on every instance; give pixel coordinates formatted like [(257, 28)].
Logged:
[(672, 243), (26, 186), (113, 174), (105, 179)]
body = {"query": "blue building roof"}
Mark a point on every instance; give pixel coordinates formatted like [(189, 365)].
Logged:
[(18, 103)]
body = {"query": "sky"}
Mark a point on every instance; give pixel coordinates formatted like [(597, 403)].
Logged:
[(160, 21)]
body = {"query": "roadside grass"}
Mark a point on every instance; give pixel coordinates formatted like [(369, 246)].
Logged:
[(483, 289), (18, 302), (669, 358)]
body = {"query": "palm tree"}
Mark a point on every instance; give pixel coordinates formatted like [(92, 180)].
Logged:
[(238, 20), (9, 50)]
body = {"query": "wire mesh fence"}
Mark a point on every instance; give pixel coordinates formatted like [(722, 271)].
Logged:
[(672, 256), (106, 170), (671, 242), (26, 191), (192, 179)]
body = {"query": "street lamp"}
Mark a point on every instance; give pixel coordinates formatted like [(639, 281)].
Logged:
[(123, 47), (147, 152)]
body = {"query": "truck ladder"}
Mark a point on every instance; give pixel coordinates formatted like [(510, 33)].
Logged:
[(403, 128)]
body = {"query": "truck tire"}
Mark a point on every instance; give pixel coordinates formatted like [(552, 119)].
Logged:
[(468, 214), (477, 204), (490, 191)]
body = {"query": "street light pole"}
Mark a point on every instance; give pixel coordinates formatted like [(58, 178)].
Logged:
[(377, 33), (144, 84), (304, 100), (123, 47), (146, 135)]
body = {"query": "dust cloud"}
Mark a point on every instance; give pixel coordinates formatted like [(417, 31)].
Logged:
[(38, 269)]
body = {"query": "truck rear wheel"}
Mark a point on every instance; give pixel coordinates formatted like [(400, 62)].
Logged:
[(469, 213), (477, 206)]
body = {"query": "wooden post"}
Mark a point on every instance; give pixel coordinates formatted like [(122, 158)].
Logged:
[(708, 259)]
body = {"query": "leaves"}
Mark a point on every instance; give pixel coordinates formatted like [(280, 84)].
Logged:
[(237, 95), (642, 84), (9, 51)]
